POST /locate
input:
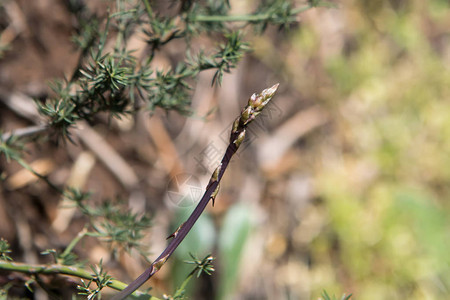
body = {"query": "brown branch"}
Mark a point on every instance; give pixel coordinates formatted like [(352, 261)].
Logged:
[(254, 107), (25, 132)]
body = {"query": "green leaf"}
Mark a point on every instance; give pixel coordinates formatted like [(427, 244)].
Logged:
[(232, 240)]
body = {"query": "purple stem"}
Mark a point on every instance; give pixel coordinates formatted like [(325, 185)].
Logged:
[(184, 230), (255, 104)]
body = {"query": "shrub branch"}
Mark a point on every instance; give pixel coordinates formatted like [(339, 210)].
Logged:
[(55, 269), (254, 107)]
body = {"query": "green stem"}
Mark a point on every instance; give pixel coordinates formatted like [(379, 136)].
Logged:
[(75, 241), (119, 38), (182, 287), (244, 18), (40, 176), (299, 10), (148, 8), (55, 269)]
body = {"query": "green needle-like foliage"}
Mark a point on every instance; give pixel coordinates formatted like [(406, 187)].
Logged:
[(111, 222), (11, 147), (110, 78), (326, 296), (202, 266), (116, 82), (100, 278), (4, 250)]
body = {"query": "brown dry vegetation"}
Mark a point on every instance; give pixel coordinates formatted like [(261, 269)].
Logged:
[(343, 187)]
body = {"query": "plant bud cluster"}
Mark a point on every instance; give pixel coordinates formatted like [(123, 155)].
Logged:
[(255, 105)]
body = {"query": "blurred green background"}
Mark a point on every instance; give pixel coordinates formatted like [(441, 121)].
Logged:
[(375, 222), (382, 165), (359, 203)]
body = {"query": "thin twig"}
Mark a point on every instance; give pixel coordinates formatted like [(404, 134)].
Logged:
[(255, 105), (25, 132), (107, 155), (74, 242), (245, 18), (56, 269), (20, 104), (148, 8)]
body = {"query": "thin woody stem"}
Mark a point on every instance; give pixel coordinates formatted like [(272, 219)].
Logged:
[(75, 241), (24, 132), (245, 18), (24, 164), (255, 104)]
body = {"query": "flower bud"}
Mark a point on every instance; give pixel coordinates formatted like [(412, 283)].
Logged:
[(235, 125), (214, 194), (158, 264), (254, 101), (266, 95), (240, 138), (245, 115), (215, 175)]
